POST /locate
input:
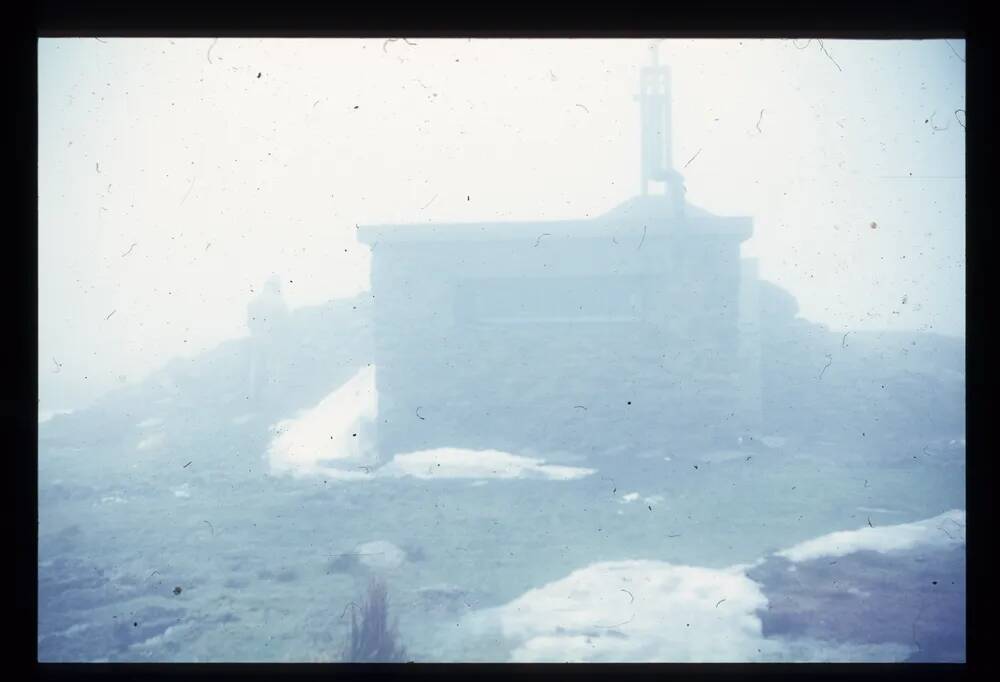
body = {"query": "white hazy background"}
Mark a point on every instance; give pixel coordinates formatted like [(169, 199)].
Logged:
[(173, 179)]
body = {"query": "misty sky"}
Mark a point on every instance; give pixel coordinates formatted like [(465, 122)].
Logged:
[(175, 176)]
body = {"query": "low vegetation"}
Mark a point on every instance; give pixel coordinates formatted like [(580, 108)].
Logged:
[(373, 639)]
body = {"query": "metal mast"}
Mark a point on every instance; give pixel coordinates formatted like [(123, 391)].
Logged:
[(655, 120)]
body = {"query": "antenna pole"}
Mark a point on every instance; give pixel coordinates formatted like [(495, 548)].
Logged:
[(657, 162)]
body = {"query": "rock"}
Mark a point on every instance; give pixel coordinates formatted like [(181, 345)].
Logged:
[(445, 596), (909, 593), (380, 555)]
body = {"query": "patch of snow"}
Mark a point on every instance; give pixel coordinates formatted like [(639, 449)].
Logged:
[(183, 491), (945, 530), (70, 631), (156, 642), (635, 611), (46, 415), (479, 464), (337, 429), (242, 419), (878, 510), (149, 423), (151, 442), (649, 500)]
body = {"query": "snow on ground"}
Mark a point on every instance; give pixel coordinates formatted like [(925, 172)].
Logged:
[(152, 442), (335, 439), (46, 415), (878, 510), (943, 531), (649, 500), (654, 611), (337, 430), (478, 464), (635, 611)]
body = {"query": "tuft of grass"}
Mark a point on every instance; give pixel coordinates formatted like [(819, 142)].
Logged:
[(374, 640)]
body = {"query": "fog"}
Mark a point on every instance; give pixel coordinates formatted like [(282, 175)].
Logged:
[(176, 175), (501, 350)]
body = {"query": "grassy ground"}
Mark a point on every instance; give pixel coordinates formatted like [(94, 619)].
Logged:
[(257, 557)]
